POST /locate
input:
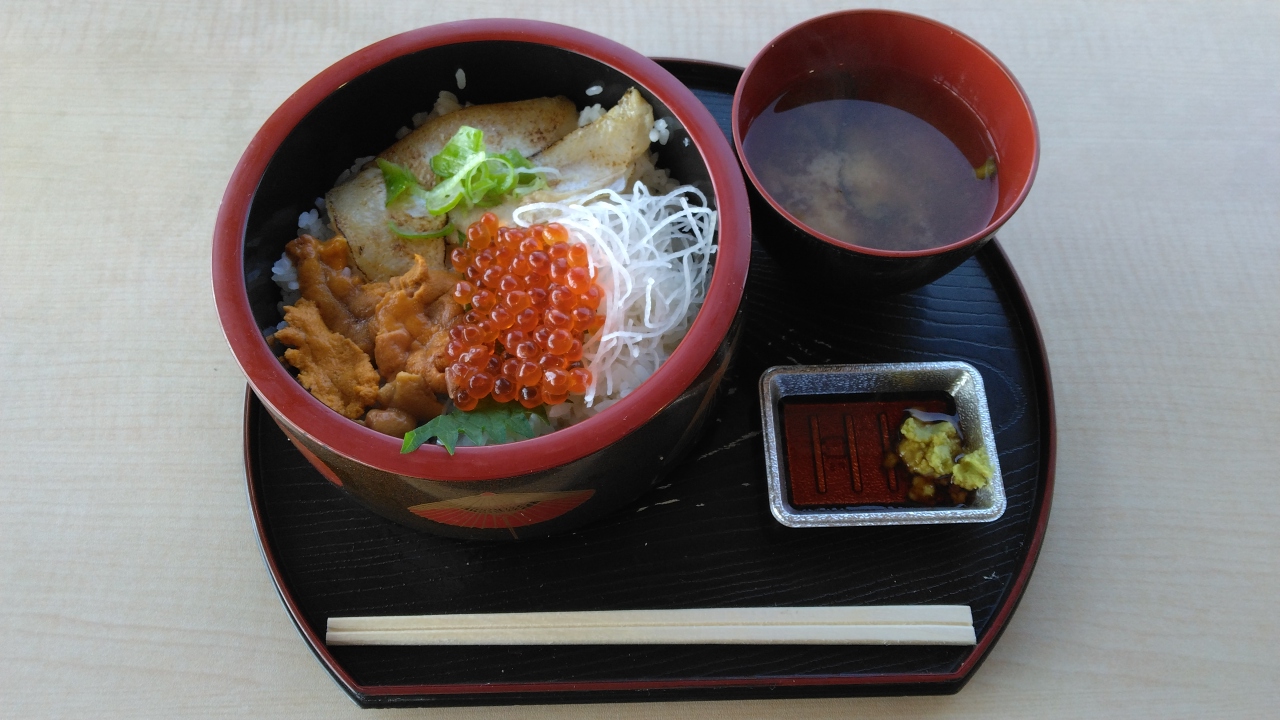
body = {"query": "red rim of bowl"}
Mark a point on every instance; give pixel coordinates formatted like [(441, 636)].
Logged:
[(993, 225), (278, 389)]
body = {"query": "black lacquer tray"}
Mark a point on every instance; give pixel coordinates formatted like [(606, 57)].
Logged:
[(704, 537)]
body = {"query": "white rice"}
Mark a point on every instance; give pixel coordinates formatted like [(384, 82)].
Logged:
[(461, 77), (446, 102), (352, 171), (314, 223), (594, 90), (590, 114), (660, 132), (645, 170), (286, 276)]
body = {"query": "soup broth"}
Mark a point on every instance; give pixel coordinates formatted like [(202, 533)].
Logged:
[(851, 157)]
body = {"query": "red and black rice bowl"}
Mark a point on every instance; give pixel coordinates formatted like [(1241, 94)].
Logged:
[(539, 486)]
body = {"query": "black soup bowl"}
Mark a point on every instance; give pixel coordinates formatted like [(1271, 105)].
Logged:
[(943, 77)]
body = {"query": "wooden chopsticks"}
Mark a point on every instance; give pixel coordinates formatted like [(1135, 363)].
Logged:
[(865, 625)]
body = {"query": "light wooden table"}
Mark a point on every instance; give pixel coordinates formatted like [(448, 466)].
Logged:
[(130, 581)]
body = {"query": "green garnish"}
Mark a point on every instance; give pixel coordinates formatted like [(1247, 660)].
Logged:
[(493, 421), (468, 175), (986, 169), (460, 153), (398, 179), (396, 230)]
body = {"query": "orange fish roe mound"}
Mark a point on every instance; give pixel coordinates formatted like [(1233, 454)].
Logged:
[(531, 298)]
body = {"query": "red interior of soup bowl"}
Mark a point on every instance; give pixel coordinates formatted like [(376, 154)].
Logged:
[(286, 397), (921, 48)]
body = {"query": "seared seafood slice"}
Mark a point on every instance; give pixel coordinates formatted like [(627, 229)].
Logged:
[(528, 126), (358, 208), (600, 153), (336, 372), (612, 149), (360, 213)]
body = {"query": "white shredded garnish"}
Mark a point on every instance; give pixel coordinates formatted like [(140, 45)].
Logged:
[(461, 77), (594, 90), (651, 255)]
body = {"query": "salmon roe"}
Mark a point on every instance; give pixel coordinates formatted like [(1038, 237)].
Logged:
[(532, 299)]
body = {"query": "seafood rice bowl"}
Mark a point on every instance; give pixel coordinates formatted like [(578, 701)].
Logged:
[(548, 267)]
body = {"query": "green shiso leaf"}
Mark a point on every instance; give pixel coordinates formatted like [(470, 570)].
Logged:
[(490, 424), (399, 232)]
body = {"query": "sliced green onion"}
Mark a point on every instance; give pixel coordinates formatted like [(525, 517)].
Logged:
[(503, 172), (516, 160), (419, 236), (456, 155), (471, 177), (986, 169), (526, 181), (446, 195), (534, 181), (397, 178)]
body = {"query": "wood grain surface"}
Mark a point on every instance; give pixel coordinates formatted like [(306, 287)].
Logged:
[(130, 581)]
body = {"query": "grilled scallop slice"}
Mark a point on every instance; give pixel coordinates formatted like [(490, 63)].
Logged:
[(358, 207), (528, 126), (601, 153), (360, 213), (606, 152)]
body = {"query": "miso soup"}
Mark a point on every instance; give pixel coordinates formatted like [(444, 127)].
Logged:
[(840, 154)]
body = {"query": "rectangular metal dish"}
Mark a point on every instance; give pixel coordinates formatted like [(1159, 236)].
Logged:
[(959, 380)]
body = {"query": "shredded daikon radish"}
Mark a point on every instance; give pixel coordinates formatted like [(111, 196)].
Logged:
[(651, 255)]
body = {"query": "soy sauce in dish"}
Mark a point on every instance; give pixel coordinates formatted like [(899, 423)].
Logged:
[(842, 451), (876, 159)]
